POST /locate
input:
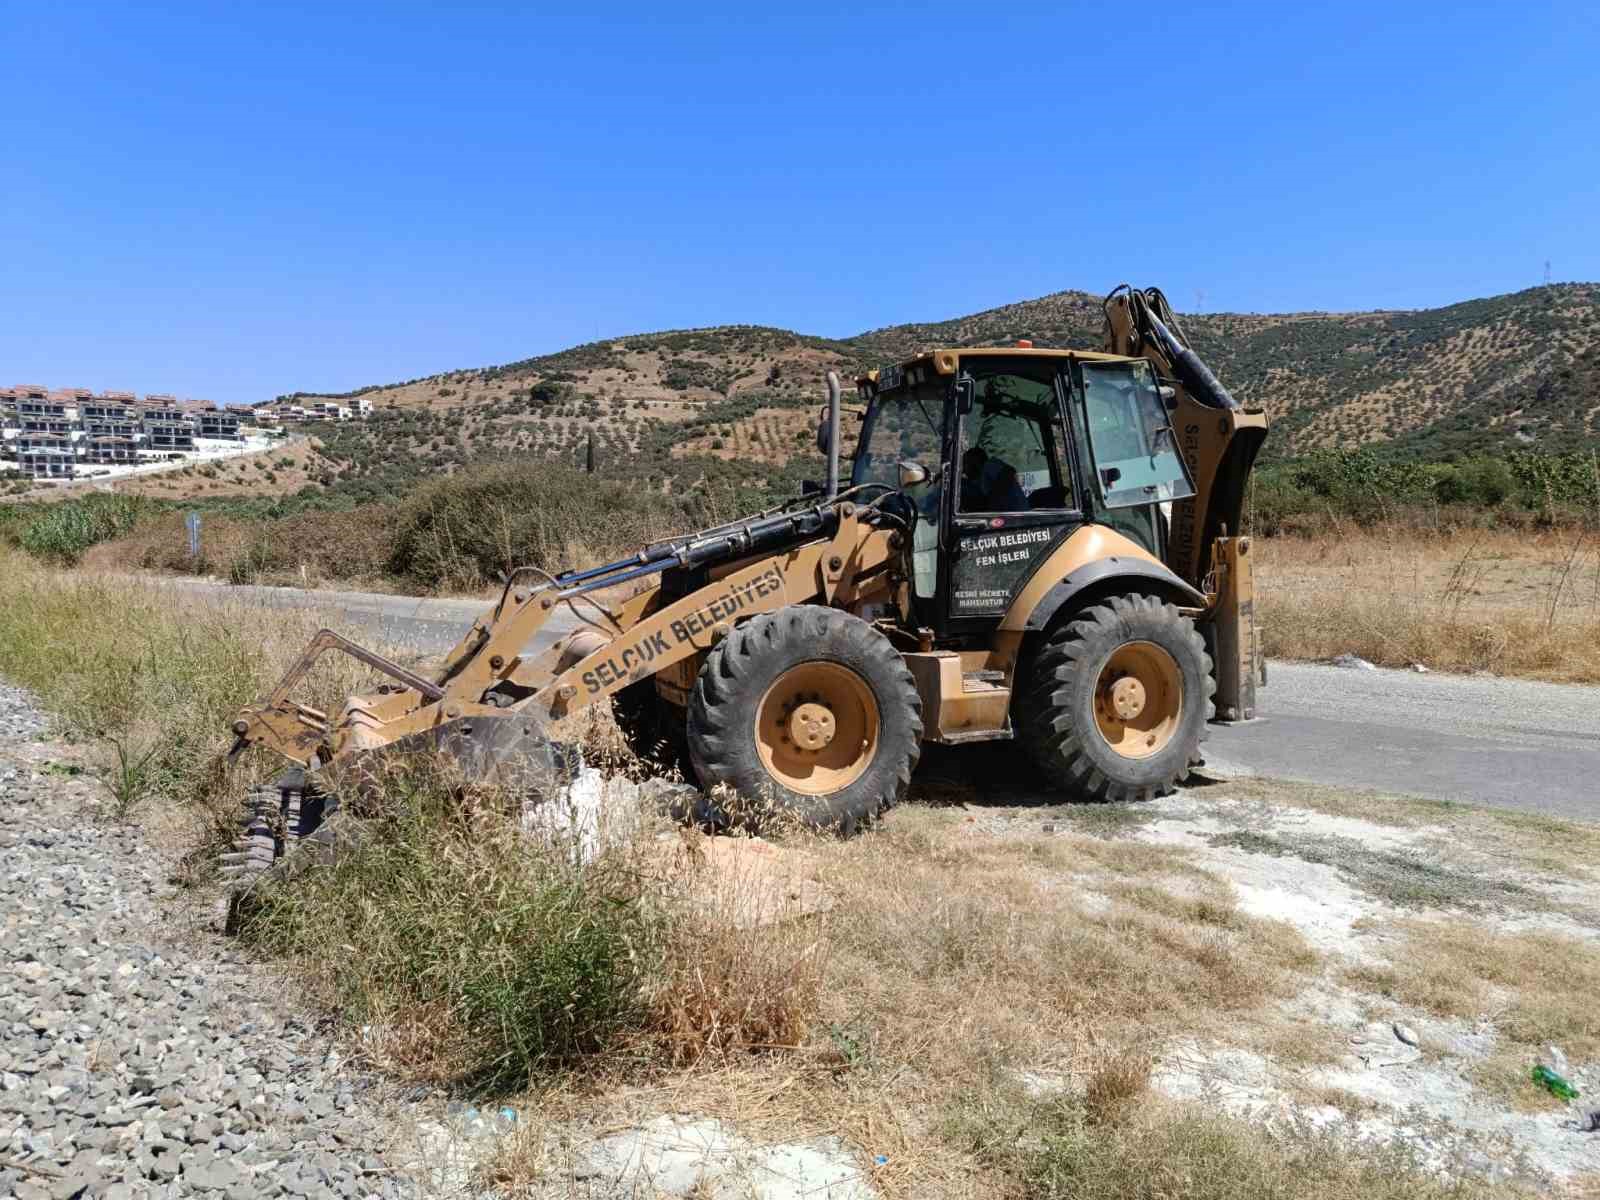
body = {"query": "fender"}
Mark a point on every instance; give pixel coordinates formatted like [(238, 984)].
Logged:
[(1093, 559), (1150, 577)]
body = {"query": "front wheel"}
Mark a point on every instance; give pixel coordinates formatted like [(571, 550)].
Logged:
[(1117, 705), (809, 711)]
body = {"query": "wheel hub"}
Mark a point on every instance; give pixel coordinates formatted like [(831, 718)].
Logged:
[(1138, 703), (1127, 697), (817, 727), (811, 726)]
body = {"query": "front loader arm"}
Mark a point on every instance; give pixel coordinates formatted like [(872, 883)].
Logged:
[(842, 569), (788, 557), (299, 732)]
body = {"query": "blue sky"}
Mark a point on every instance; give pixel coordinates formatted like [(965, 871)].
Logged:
[(231, 201)]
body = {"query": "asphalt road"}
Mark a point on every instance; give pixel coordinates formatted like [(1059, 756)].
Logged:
[(1475, 739)]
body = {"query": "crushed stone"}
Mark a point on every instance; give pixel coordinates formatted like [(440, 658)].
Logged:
[(131, 1065)]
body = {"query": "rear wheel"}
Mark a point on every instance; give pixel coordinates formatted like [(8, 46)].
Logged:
[(809, 711), (1117, 704)]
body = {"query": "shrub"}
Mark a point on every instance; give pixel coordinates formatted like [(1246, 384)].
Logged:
[(62, 532), (475, 527), (480, 954)]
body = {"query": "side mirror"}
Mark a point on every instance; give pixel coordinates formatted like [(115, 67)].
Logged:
[(912, 473), (964, 396), (824, 432), (1110, 475), (810, 487)]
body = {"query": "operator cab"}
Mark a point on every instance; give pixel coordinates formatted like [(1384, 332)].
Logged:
[(1004, 452)]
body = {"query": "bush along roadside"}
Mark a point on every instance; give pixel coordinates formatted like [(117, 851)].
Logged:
[(1364, 485), (473, 952), (152, 685)]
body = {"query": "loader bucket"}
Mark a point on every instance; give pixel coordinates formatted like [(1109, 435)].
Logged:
[(511, 752)]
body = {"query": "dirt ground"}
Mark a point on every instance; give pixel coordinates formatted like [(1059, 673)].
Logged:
[(1376, 969)]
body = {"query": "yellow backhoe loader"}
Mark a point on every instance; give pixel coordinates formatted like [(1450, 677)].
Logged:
[(1032, 544)]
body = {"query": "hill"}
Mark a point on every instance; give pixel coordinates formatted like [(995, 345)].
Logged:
[(1516, 370)]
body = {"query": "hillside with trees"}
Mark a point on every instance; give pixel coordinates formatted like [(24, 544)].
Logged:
[(1515, 371)]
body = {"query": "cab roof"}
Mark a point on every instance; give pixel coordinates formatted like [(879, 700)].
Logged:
[(928, 363)]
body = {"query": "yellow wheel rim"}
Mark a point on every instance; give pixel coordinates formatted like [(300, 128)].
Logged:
[(1138, 699), (817, 728)]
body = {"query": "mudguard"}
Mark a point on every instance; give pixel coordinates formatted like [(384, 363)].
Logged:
[(1107, 576)]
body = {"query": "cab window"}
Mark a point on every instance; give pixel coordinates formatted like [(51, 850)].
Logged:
[(1130, 434), (1013, 447)]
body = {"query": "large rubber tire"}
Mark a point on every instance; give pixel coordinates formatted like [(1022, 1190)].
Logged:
[(653, 728), (748, 676), (1069, 684)]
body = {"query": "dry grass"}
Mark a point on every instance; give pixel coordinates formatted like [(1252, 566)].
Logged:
[(154, 685), (310, 549), (1513, 603), (953, 965), (1120, 1081), (744, 968), (1164, 1150)]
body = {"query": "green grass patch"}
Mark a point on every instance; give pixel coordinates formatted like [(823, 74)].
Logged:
[(1406, 880), (61, 532)]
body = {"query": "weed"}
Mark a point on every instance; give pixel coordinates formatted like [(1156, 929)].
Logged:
[(482, 955), (62, 532), (1116, 1084), (155, 687), (128, 778)]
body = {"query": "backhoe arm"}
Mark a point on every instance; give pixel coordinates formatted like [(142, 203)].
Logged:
[(1219, 439)]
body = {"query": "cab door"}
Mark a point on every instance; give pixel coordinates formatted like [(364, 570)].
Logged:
[(1014, 494)]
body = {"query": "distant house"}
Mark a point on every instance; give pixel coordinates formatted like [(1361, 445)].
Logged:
[(111, 451), (167, 428), (220, 425), (46, 456), (48, 432), (41, 419)]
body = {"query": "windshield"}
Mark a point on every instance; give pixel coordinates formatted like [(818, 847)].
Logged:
[(900, 427), (1135, 451)]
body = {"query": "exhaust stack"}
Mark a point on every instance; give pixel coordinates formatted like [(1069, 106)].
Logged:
[(833, 434)]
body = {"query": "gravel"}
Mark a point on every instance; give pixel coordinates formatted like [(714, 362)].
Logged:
[(133, 1063)]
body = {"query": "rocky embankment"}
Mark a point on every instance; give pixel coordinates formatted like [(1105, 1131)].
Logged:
[(137, 1059)]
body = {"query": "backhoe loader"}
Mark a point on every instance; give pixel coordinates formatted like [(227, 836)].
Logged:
[(1032, 544)]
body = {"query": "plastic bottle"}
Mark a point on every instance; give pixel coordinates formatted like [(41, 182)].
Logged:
[(1553, 1083)]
